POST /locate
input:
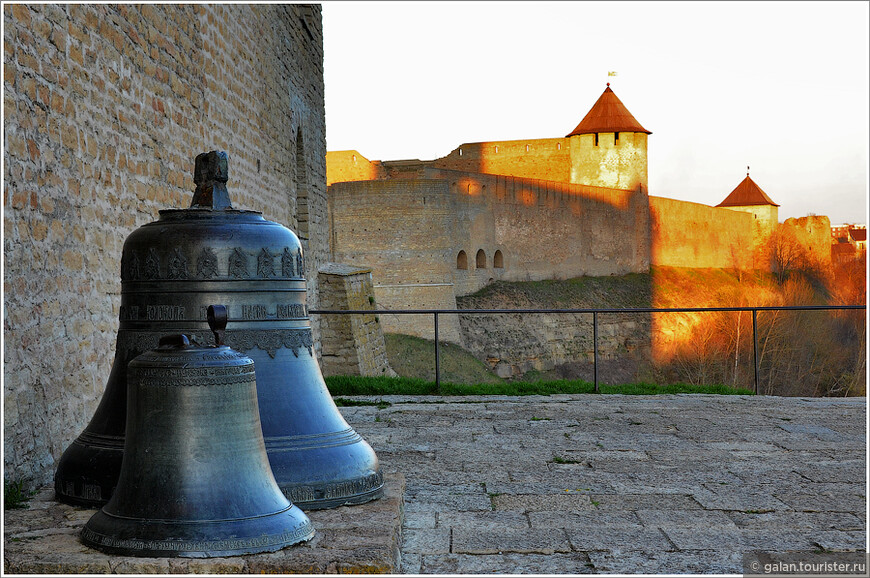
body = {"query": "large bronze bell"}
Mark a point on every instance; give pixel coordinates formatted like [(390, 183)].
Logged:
[(195, 480), (171, 270)]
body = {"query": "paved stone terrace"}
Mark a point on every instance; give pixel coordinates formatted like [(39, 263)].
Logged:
[(562, 485), (625, 484), (364, 539)]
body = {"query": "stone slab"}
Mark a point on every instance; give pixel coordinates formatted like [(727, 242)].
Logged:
[(538, 564), (509, 540), (659, 561), (44, 539)]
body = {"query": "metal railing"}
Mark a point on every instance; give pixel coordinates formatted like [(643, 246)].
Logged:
[(594, 312)]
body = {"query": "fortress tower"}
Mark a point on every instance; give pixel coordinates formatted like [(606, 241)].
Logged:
[(749, 198), (608, 147)]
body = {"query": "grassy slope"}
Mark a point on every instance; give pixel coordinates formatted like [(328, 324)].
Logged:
[(414, 357)]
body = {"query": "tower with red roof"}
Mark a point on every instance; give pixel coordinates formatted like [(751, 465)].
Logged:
[(609, 146)]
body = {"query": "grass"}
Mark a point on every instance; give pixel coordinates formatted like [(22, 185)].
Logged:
[(356, 385), (342, 402), (632, 290), (414, 357), (15, 496)]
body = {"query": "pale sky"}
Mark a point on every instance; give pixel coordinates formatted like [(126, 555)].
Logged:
[(779, 86)]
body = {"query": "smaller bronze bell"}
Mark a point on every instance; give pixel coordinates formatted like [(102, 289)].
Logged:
[(195, 479)]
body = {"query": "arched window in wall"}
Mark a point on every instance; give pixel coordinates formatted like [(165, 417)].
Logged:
[(498, 260), (481, 259), (462, 260)]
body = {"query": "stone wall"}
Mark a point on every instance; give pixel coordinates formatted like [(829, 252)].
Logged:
[(543, 229), (402, 230), (514, 344), (685, 234), (350, 344), (813, 234), (342, 166), (546, 159), (431, 239), (106, 107)]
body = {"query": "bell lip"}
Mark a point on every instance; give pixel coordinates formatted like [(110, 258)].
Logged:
[(355, 500), (204, 539)]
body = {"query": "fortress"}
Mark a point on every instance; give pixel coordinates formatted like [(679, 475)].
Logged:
[(525, 210), (106, 107)]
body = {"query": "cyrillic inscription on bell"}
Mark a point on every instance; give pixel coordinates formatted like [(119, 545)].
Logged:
[(195, 480), (171, 269)]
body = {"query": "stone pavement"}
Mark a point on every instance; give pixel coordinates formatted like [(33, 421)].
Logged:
[(565, 484), (625, 484), (364, 539)]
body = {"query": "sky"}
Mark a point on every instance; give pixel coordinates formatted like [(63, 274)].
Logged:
[(781, 87)]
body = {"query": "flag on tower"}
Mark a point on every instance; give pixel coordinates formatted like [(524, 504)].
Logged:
[(611, 73)]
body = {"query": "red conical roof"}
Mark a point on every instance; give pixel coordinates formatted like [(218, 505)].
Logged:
[(608, 114), (747, 193)]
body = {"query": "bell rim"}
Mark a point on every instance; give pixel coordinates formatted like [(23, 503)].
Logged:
[(244, 536)]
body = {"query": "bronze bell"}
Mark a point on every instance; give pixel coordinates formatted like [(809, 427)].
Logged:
[(195, 480), (171, 270)]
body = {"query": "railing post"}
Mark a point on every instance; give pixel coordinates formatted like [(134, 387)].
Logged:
[(595, 350), (437, 356), (755, 346)]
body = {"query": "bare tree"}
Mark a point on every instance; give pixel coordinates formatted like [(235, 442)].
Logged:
[(786, 253)]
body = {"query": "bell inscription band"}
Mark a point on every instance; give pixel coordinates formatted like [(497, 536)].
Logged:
[(171, 270), (195, 480)]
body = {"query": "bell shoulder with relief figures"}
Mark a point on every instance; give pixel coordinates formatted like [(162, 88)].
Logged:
[(171, 270)]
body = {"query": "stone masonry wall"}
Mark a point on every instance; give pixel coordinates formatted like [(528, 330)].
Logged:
[(516, 344), (402, 229), (106, 107), (351, 344), (546, 159), (411, 233), (813, 233), (688, 234), (543, 229), (343, 166)]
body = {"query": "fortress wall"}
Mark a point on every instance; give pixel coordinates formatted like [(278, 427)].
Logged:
[(342, 166), (813, 233), (106, 107), (688, 234), (545, 229), (402, 230), (546, 159)]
